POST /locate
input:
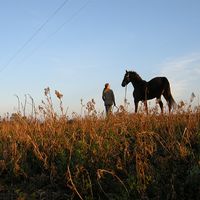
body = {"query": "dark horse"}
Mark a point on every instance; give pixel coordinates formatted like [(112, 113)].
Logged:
[(144, 90)]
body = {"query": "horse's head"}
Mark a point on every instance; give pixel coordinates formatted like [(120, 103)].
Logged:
[(126, 79), (130, 76)]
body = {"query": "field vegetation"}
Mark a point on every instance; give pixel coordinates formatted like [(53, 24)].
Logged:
[(124, 156)]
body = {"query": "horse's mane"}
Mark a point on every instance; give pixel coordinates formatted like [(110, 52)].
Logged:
[(136, 75)]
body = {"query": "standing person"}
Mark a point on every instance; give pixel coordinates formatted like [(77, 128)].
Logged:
[(108, 98)]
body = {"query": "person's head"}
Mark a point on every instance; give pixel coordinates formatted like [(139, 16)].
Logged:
[(107, 86)]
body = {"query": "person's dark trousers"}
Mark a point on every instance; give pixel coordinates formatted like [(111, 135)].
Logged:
[(108, 109)]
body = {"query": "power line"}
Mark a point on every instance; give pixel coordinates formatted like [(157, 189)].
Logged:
[(59, 28), (71, 18), (34, 35)]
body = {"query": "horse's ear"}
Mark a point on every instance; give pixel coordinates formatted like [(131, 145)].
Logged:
[(126, 71)]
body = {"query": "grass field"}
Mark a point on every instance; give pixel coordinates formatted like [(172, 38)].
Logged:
[(124, 156)]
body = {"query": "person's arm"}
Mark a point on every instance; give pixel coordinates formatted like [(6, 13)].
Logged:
[(103, 96), (113, 98)]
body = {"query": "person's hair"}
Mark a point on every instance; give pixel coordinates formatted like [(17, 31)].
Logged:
[(106, 85)]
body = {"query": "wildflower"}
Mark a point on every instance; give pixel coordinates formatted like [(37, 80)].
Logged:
[(40, 107), (46, 91), (192, 97), (58, 94), (181, 105)]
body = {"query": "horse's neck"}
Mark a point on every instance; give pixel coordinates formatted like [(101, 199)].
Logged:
[(138, 83)]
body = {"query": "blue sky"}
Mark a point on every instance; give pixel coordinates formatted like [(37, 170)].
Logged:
[(89, 43)]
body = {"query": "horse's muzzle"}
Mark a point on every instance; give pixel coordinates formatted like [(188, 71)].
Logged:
[(123, 84)]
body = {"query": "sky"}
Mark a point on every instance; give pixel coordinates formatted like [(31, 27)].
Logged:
[(76, 46)]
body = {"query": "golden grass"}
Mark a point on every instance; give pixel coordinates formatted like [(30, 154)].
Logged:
[(125, 155)]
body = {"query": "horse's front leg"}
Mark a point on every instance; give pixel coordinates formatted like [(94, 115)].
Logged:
[(146, 107), (136, 105)]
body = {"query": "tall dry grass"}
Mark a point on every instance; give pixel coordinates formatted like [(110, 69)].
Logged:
[(123, 156)]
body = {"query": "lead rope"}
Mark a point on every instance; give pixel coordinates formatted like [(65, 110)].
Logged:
[(145, 101), (125, 99)]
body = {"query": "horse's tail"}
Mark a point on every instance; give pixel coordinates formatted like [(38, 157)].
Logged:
[(172, 103), (168, 96)]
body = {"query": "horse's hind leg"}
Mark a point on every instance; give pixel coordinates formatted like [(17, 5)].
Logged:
[(170, 107), (160, 104), (167, 97)]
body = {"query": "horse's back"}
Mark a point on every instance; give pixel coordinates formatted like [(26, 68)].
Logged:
[(156, 86), (158, 79), (158, 82)]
